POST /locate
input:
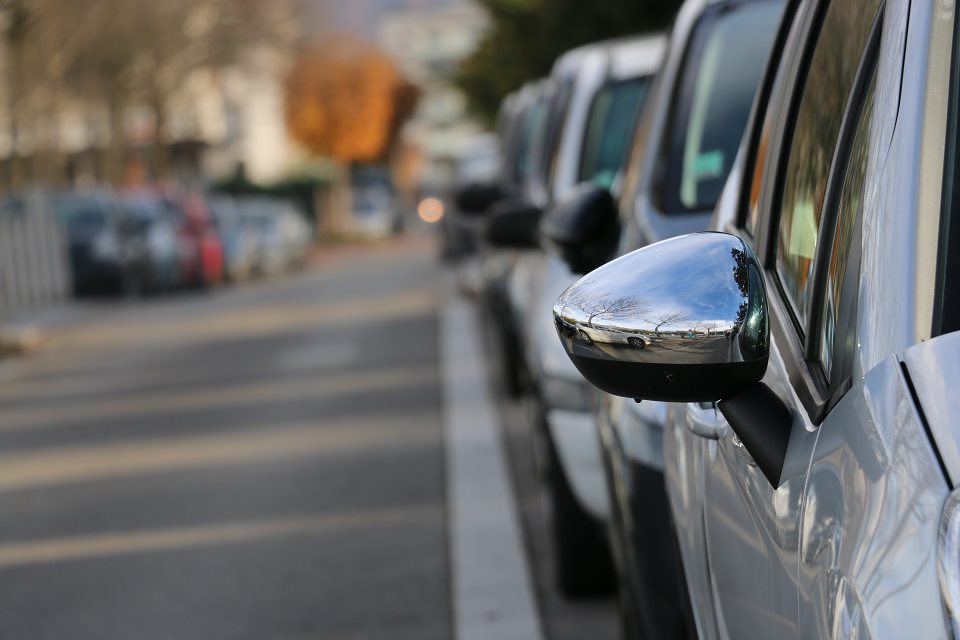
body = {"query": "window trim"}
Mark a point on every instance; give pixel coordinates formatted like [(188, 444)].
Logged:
[(852, 113), (816, 393)]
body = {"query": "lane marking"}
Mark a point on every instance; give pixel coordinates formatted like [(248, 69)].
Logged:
[(492, 588), (125, 543), (230, 397), (136, 458), (323, 356)]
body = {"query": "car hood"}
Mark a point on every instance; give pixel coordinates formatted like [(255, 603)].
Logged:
[(934, 370)]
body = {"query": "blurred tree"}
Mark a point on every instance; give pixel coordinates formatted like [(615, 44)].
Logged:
[(527, 36), (347, 101), (113, 55)]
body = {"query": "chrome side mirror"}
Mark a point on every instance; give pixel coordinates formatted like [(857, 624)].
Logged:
[(683, 320)]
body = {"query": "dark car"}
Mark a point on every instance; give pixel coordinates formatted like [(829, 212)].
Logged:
[(107, 254), (157, 226)]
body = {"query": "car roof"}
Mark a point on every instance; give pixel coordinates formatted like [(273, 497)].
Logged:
[(627, 57)]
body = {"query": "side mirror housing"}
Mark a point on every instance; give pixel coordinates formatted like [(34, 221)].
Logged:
[(683, 320), (584, 230), (476, 198), (514, 224)]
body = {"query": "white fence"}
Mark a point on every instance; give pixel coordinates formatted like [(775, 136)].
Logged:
[(34, 265)]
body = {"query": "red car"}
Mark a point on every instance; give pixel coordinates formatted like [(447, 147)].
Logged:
[(200, 248)]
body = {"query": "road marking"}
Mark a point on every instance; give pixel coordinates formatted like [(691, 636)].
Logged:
[(141, 457), (234, 396), (125, 543), (323, 356), (492, 589)]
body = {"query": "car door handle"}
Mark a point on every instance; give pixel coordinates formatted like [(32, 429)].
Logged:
[(703, 420)]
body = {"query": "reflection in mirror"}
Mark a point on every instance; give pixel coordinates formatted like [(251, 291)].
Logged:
[(681, 320)]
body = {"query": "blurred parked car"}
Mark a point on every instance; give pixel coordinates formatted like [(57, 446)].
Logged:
[(818, 498), (597, 93), (479, 163), (107, 251), (281, 234), (682, 151), (374, 211), (200, 247), (157, 227), (239, 241)]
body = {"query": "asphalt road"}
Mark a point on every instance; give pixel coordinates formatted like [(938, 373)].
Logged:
[(261, 462)]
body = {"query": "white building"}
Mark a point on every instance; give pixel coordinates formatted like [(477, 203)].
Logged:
[(429, 41)]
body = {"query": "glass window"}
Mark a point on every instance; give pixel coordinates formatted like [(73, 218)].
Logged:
[(848, 210), (722, 69), (534, 125), (612, 117), (833, 67)]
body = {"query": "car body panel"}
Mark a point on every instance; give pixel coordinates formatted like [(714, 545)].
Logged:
[(574, 433), (933, 367), (871, 514)]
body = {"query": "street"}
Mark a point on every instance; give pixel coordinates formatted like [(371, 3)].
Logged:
[(264, 462)]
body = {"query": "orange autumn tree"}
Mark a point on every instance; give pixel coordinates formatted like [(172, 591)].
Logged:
[(347, 101)]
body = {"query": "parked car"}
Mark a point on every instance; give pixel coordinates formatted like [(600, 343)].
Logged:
[(238, 241), (597, 93), (478, 163), (157, 227), (516, 199), (810, 449), (200, 247), (374, 210), (107, 252), (281, 234), (698, 108)]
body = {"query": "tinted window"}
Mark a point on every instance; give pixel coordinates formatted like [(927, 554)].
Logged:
[(716, 87), (534, 126), (612, 117), (833, 67)]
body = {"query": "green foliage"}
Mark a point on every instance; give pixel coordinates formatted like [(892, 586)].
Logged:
[(527, 36)]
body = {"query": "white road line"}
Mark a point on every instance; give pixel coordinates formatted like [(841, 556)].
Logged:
[(492, 589)]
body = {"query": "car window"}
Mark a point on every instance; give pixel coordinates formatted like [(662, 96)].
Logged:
[(826, 91), (848, 210), (534, 127), (560, 103), (722, 68), (612, 116)]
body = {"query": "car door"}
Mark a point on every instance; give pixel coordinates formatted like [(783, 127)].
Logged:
[(752, 525)]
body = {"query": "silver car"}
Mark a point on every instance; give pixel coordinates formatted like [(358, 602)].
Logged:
[(810, 453)]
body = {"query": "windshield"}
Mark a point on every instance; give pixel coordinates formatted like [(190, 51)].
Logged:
[(612, 117), (722, 69)]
